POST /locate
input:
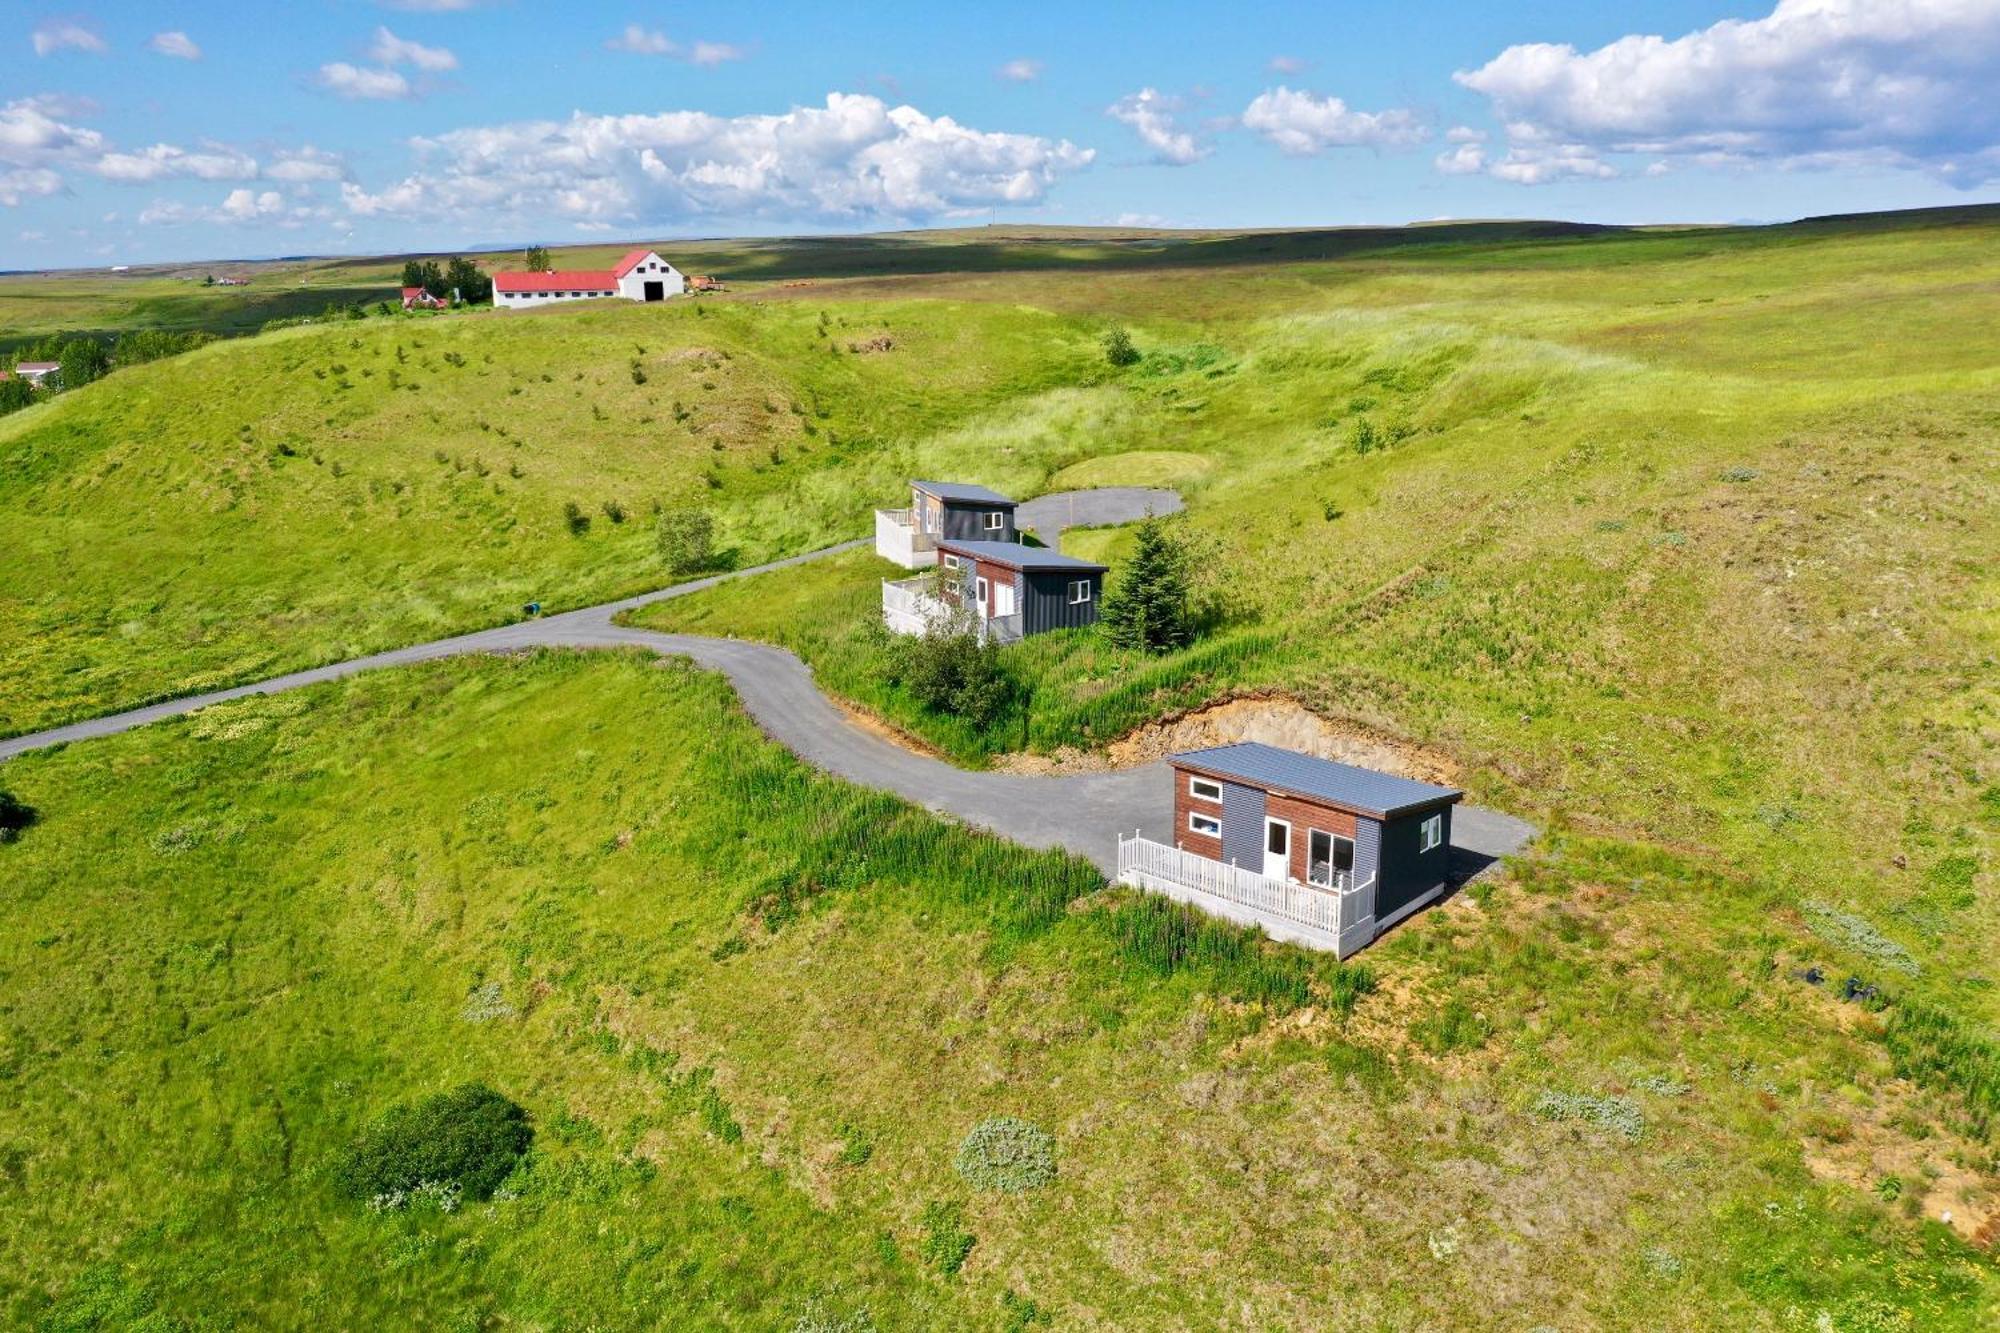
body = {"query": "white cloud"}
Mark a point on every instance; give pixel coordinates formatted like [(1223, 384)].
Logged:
[(1464, 160), (642, 42), (1291, 65), (176, 44), (240, 207), (18, 183), (32, 236), (1020, 71), (52, 35), (1303, 125), (429, 6), (711, 54), (1816, 82), (1151, 114), (212, 162), (299, 165), (357, 84), (639, 41), (389, 49), (855, 158), (1542, 163)]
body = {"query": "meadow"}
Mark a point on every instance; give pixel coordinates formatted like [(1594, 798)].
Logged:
[(1679, 543), (708, 975)]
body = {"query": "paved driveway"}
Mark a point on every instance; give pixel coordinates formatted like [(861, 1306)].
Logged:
[(1083, 813)]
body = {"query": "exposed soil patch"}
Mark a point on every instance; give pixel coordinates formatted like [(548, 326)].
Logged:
[(881, 342), (876, 725), (1274, 720), (1869, 1152)]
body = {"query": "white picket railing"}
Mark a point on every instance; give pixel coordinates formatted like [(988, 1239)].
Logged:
[(908, 605), (1340, 914)]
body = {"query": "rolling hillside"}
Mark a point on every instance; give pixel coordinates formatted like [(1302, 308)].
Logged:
[(1680, 543)]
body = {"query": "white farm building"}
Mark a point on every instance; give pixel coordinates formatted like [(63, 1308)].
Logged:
[(640, 276)]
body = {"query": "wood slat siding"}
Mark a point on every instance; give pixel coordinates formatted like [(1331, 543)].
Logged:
[(1303, 816), (1243, 825), (1184, 805), (966, 522), (1046, 604), (1408, 874)]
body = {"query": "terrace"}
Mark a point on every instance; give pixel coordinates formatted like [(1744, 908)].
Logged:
[(912, 606), (1333, 916)]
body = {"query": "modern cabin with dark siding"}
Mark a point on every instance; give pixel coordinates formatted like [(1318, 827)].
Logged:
[(1021, 590), (1300, 819), (957, 511)]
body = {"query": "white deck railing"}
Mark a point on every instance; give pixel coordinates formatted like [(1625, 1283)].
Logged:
[(1338, 918), (908, 606), (898, 538)]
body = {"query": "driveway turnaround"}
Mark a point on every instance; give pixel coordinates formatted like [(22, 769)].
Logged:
[(1082, 813)]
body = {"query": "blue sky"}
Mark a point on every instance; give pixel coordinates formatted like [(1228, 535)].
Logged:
[(148, 131)]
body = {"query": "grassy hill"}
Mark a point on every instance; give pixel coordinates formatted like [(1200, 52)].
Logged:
[(754, 1014), (1679, 542)]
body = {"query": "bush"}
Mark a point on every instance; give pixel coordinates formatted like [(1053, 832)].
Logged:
[(1006, 1153), (577, 521), (1611, 1114), (686, 539), (946, 1242), (1118, 348), (470, 1137), (950, 669), (16, 815)]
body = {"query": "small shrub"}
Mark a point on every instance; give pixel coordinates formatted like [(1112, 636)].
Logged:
[(638, 373), (1006, 1153), (577, 521), (1611, 1114), (614, 511), (686, 538), (855, 1146), (1859, 934), (946, 1243), (469, 1138), (1741, 474), (16, 816), (1118, 348), (1364, 439), (486, 1003)]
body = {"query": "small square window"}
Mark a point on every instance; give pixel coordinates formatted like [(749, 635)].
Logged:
[(1079, 591), (1207, 825), (1431, 833), (1204, 790), (950, 561)]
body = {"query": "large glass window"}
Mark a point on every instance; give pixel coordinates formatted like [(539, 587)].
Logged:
[(1329, 858)]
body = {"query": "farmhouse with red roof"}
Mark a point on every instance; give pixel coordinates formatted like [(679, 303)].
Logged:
[(416, 298), (640, 276)]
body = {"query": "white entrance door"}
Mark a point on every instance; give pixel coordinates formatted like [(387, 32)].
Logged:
[(981, 592), (1277, 849)]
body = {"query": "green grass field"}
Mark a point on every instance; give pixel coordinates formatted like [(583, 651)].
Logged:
[(753, 1013), (1679, 543)]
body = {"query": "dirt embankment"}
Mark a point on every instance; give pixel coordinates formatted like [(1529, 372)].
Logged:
[(1273, 720)]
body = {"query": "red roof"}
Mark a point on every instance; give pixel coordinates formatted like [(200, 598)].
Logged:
[(574, 280), (628, 263)]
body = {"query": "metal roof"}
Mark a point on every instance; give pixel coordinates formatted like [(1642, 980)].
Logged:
[(1288, 771), (963, 492), (1014, 555)]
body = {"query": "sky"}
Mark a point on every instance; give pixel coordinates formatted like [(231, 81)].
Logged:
[(149, 131)]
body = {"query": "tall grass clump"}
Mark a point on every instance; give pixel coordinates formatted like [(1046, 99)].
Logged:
[(1006, 1153), (1933, 1047)]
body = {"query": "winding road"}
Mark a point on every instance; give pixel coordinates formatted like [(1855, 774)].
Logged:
[(1082, 813)]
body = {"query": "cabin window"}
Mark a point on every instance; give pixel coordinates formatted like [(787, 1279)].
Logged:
[(1204, 790), (950, 561), (1329, 858), (1079, 591), (1206, 825), (1430, 833), (995, 521)]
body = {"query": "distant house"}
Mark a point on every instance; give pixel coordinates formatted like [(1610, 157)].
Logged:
[(41, 374), (232, 282), (1320, 853), (418, 298), (640, 276), (940, 509)]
